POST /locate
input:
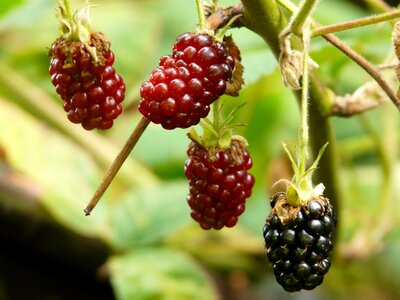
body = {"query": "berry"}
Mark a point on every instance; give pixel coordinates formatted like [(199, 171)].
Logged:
[(91, 90), (180, 91), (219, 184), (298, 247)]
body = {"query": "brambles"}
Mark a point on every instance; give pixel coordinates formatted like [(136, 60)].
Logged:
[(92, 91), (299, 241), (219, 183), (180, 91)]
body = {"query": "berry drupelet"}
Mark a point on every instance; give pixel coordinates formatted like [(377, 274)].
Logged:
[(299, 241), (180, 91), (81, 69), (92, 91), (219, 183)]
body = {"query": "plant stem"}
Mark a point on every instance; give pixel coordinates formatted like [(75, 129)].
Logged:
[(304, 106), (357, 58), (298, 19), (355, 23), (265, 18), (216, 114), (200, 13), (369, 68), (116, 165)]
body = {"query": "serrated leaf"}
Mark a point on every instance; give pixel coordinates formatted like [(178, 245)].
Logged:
[(160, 274), (146, 216)]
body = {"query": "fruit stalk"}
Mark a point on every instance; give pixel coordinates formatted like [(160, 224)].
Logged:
[(118, 162), (298, 19), (304, 131), (200, 13)]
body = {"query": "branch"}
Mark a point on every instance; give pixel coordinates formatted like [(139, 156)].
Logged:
[(357, 58), (322, 30), (223, 15), (369, 68), (117, 164)]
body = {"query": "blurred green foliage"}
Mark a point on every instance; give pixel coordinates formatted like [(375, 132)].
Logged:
[(160, 253)]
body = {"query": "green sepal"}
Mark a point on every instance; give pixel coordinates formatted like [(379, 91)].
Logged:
[(292, 194), (293, 163), (194, 136)]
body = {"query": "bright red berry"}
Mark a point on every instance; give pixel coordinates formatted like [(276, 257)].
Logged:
[(92, 91), (219, 183), (180, 91)]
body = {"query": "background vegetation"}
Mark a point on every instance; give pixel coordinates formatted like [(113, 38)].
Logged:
[(140, 242)]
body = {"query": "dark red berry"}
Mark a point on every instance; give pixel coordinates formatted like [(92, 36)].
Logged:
[(298, 247), (180, 91), (91, 90), (219, 184)]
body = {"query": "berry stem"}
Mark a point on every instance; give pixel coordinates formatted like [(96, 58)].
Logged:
[(300, 17), (118, 162), (200, 13), (355, 23), (216, 114), (304, 131)]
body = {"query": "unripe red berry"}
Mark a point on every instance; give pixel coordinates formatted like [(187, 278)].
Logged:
[(91, 90), (181, 89), (219, 183)]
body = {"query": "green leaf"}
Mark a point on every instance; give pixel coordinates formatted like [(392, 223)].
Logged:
[(159, 274), (146, 216)]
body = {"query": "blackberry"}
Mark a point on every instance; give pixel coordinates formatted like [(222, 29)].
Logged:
[(180, 91), (219, 183), (91, 90), (298, 241)]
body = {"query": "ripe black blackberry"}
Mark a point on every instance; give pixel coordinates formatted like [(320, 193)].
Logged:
[(299, 241), (184, 85)]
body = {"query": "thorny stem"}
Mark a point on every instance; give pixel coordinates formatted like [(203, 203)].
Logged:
[(118, 162), (200, 13), (355, 23)]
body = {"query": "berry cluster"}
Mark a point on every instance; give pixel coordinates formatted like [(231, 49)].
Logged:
[(181, 89), (298, 245), (92, 91), (219, 183)]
